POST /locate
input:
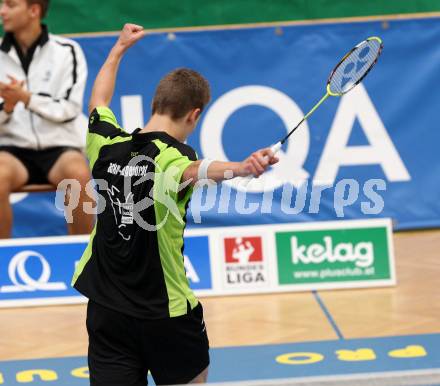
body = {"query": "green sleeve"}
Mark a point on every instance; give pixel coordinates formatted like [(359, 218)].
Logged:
[(103, 130), (171, 164)]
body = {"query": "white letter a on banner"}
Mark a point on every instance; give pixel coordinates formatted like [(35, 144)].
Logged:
[(381, 150)]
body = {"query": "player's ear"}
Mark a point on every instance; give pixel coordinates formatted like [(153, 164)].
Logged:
[(35, 11), (194, 115)]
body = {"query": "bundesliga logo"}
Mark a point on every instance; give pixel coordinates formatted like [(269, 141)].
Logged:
[(244, 261), (243, 250)]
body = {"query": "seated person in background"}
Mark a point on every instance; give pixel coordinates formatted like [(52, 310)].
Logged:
[(42, 80)]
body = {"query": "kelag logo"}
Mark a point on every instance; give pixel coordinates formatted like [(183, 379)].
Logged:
[(36, 271), (332, 255), (197, 264)]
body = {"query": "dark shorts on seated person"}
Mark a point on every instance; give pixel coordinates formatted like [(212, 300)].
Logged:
[(38, 163)]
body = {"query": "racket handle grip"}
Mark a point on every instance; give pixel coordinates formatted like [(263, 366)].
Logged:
[(275, 149)]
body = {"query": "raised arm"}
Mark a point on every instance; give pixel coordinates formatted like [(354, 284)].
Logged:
[(104, 85), (256, 164)]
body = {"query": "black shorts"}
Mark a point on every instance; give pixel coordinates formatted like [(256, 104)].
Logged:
[(122, 348), (38, 163)]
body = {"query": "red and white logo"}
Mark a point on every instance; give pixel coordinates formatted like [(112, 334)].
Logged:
[(243, 250), (245, 266)]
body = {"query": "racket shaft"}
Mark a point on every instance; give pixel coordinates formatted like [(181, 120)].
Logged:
[(305, 117), (276, 147)]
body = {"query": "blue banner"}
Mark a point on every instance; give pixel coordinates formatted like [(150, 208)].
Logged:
[(38, 271), (197, 262), (372, 153)]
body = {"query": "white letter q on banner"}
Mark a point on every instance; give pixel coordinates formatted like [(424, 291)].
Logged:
[(291, 170)]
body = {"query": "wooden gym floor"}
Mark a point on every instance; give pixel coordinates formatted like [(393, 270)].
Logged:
[(412, 307)]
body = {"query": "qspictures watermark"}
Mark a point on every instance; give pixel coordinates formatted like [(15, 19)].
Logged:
[(209, 196), (143, 185), (307, 198)]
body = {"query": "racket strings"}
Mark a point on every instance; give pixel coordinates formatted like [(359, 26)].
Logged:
[(354, 67)]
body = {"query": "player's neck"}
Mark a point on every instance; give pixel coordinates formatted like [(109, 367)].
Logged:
[(165, 123), (27, 36)]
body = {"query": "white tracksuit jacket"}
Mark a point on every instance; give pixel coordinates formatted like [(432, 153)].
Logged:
[(56, 78)]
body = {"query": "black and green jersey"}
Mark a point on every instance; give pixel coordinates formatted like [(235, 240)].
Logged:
[(134, 261)]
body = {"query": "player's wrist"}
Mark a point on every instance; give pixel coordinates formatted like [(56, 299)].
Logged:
[(117, 51), (240, 169)]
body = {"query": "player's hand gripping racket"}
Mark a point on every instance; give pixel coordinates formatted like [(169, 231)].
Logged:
[(348, 73)]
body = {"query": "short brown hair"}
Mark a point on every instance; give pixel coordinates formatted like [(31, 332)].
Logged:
[(179, 92), (44, 5)]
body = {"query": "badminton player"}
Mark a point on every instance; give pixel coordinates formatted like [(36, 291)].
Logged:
[(142, 316)]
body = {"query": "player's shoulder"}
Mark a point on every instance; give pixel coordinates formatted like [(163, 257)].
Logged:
[(64, 42), (182, 148), (103, 121), (186, 150)]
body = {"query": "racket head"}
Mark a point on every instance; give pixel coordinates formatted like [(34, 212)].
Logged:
[(354, 66)]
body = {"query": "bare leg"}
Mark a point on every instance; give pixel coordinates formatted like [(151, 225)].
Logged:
[(73, 165), (13, 175), (202, 377)]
